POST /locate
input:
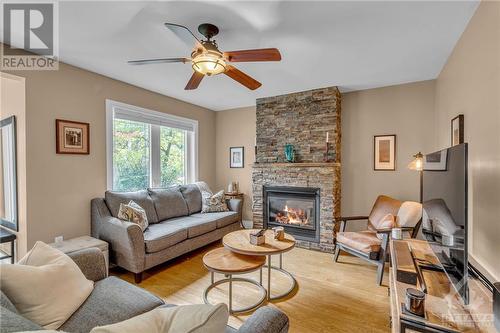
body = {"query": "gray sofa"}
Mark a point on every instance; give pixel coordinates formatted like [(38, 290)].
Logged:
[(176, 225), (114, 300)]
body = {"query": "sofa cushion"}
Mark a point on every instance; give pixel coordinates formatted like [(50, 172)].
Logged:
[(11, 321), (192, 195), (165, 234), (112, 300), (222, 218), (364, 241), (197, 226), (142, 198), (168, 202)]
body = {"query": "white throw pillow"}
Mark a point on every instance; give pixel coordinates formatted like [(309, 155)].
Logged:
[(46, 286), (200, 318), (409, 214)]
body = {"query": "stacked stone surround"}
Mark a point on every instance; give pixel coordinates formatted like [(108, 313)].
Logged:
[(301, 119)]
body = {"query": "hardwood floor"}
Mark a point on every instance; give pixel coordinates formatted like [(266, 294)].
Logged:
[(331, 297)]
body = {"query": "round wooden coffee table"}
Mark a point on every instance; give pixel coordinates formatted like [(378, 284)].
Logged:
[(224, 261), (239, 242)]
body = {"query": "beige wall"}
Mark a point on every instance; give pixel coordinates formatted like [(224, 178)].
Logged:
[(15, 105), (469, 84), (60, 187), (236, 127), (405, 110)]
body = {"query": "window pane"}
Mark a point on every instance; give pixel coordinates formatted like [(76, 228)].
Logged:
[(172, 156), (130, 155)]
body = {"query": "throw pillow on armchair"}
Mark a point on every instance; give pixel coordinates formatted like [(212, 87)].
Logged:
[(46, 286)]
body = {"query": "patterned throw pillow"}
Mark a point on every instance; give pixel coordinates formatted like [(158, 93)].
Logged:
[(134, 213), (213, 203)]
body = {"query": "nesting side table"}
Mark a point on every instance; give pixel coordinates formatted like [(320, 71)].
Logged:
[(224, 261)]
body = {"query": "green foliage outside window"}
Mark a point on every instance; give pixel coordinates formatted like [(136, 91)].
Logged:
[(131, 156)]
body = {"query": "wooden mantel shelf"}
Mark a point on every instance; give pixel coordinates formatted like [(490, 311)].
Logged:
[(298, 165)]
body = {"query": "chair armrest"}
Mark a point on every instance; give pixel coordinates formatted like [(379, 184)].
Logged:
[(126, 240), (265, 320), (92, 263), (343, 221), (389, 230), (235, 205), (351, 218)]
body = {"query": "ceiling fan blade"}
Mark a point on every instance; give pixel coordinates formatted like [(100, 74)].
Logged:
[(184, 34), (242, 78), (157, 61), (253, 55), (194, 81)]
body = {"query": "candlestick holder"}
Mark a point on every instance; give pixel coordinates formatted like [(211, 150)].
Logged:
[(326, 155)]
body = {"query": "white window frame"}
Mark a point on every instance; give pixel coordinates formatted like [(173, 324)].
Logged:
[(155, 119)]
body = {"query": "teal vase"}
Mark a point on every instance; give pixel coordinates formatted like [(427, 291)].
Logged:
[(289, 153)]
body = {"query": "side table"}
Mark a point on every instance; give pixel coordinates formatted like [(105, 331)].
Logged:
[(6, 237), (84, 242), (223, 261)]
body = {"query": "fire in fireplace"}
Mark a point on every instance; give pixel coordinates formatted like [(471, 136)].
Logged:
[(294, 208)]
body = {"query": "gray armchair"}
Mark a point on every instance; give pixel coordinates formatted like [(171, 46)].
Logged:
[(114, 300)]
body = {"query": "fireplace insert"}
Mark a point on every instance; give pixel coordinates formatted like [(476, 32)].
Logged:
[(294, 208)]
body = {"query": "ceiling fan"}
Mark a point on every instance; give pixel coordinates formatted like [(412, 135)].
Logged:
[(206, 59)]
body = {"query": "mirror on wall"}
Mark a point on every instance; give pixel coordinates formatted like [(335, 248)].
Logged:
[(8, 178)]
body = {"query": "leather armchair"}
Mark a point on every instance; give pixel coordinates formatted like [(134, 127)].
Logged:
[(372, 244)]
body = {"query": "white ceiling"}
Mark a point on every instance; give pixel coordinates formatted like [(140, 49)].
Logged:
[(354, 45)]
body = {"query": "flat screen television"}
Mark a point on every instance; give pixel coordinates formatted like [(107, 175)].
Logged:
[(444, 216)]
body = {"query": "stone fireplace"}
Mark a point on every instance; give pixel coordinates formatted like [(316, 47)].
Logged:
[(304, 196)]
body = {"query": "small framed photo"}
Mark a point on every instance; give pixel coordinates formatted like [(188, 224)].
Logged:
[(237, 157), (457, 130), (72, 137), (384, 152)]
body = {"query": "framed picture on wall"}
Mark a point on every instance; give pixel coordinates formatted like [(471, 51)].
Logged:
[(384, 152), (72, 137), (236, 157), (457, 130)]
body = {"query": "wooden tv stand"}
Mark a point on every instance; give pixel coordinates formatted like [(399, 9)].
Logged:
[(444, 309)]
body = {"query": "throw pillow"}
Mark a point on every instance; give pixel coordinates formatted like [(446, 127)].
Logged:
[(213, 203), (46, 286), (200, 318), (386, 222), (409, 214), (134, 213)]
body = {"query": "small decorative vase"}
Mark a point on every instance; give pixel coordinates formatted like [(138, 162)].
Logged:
[(289, 153)]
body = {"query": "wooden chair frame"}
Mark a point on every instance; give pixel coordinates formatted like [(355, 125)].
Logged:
[(376, 258)]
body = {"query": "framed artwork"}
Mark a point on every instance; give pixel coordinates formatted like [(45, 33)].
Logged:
[(457, 130), (72, 137), (384, 152), (236, 157), (437, 161)]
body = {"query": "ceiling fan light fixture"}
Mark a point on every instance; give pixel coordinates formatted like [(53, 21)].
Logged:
[(209, 64)]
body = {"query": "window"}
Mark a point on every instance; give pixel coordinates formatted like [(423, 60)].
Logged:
[(149, 149)]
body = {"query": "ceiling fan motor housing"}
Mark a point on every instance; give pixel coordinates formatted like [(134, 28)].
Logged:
[(208, 30)]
